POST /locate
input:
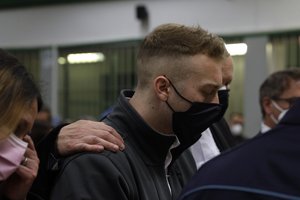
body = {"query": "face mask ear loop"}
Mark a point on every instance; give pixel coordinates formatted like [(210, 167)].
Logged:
[(277, 106), (273, 119), (177, 91), (170, 106)]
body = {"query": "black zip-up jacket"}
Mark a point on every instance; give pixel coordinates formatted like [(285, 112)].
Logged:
[(137, 173)]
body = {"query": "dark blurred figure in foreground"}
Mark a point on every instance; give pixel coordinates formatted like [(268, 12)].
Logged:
[(236, 124)]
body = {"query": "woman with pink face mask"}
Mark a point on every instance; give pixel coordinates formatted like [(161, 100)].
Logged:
[(19, 103)]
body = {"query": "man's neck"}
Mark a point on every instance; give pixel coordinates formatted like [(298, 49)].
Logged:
[(269, 122), (152, 113)]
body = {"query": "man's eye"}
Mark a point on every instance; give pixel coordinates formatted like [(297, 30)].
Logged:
[(209, 95)]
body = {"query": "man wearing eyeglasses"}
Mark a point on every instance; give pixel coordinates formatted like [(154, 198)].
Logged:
[(277, 94)]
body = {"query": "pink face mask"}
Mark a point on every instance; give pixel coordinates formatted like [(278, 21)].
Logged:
[(12, 151)]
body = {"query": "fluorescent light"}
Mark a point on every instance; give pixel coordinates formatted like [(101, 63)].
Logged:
[(61, 60), (237, 49), (85, 58)]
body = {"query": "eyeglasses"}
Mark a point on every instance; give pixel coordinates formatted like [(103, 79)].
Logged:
[(291, 101)]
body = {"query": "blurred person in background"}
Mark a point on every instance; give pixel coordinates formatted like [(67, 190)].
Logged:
[(217, 138), (276, 94), (236, 123), (42, 125), (45, 115), (19, 103)]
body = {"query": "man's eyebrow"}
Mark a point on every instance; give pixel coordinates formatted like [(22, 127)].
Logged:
[(211, 86)]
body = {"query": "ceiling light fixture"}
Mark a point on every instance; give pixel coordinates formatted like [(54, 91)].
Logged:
[(85, 58), (237, 49)]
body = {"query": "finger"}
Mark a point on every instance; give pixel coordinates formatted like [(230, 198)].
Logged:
[(28, 168), (83, 147), (31, 153), (94, 143), (109, 146), (93, 140), (31, 163), (28, 139), (116, 134), (110, 138), (110, 134), (25, 160), (26, 172)]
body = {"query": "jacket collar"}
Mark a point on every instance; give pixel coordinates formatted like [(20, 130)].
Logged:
[(151, 145)]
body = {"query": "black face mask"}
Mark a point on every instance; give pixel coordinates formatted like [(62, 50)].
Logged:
[(189, 125), (224, 100)]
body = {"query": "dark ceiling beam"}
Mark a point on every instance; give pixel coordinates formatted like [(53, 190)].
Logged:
[(8, 4)]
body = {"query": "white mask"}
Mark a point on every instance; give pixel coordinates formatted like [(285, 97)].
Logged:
[(281, 115), (236, 129)]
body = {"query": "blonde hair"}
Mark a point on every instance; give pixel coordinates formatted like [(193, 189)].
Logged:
[(17, 91), (169, 45)]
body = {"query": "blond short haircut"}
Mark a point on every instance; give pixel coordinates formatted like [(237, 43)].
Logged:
[(163, 51)]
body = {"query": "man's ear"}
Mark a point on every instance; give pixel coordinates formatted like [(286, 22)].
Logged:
[(267, 105), (162, 87)]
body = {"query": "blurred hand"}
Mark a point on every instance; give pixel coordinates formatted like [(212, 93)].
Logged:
[(85, 135), (18, 184)]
